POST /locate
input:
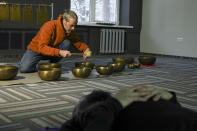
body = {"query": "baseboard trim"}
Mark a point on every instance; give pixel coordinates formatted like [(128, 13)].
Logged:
[(174, 56)]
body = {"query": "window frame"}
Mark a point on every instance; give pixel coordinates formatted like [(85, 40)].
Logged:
[(92, 13)]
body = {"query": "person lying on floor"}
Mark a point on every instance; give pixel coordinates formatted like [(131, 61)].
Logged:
[(132, 109)]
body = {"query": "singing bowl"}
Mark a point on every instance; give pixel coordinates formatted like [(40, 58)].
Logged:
[(117, 66), (85, 64), (137, 65), (8, 72), (104, 70), (147, 60), (133, 65), (126, 60), (81, 72), (50, 74), (48, 65)]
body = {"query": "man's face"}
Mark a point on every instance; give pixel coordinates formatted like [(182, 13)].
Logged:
[(69, 25)]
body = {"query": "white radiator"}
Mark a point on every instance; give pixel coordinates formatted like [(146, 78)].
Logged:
[(112, 41)]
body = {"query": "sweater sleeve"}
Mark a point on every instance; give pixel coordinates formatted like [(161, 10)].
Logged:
[(100, 117), (43, 39)]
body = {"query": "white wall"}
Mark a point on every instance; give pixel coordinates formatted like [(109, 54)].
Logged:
[(169, 27)]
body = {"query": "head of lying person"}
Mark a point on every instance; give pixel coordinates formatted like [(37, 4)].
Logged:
[(91, 100)]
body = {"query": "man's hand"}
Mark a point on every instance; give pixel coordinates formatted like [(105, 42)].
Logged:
[(87, 53), (64, 53)]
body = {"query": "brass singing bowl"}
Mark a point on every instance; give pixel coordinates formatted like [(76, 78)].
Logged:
[(48, 65), (117, 66), (137, 65), (147, 60), (104, 70), (126, 60), (50, 74), (85, 64), (8, 72), (133, 65), (81, 72)]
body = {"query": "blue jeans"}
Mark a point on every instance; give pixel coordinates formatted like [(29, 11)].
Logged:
[(30, 59)]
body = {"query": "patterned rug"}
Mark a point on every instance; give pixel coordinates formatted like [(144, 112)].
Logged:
[(32, 107)]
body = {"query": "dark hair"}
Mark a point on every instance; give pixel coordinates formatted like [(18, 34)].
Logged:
[(90, 100)]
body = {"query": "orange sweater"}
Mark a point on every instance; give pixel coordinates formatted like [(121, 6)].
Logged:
[(49, 37)]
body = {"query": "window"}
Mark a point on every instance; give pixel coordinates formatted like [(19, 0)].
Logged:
[(99, 11)]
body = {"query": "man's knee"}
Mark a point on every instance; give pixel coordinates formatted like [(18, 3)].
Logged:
[(29, 61), (65, 45)]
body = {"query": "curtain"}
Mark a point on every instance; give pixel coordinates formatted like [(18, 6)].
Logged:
[(28, 14), (15, 13), (4, 12), (42, 14)]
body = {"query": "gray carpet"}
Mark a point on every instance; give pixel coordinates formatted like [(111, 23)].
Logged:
[(31, 107)]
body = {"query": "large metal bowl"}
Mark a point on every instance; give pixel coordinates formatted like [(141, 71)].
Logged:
[(147, 60), (81, 72), (48, 65), (50, 74), (85, 64), (117, 66), (8, 72), (126, 60), (104, 70)]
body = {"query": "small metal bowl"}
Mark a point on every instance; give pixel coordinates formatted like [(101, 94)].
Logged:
[(117, 66), (48, 65), (137, 65), (133, 65), (126, 60), (85, 64), (147, 60), (8, 72), (50, 74), (104, 70), (81, 72)]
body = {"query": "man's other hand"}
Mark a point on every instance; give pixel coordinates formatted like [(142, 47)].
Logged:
[(87, 53)]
